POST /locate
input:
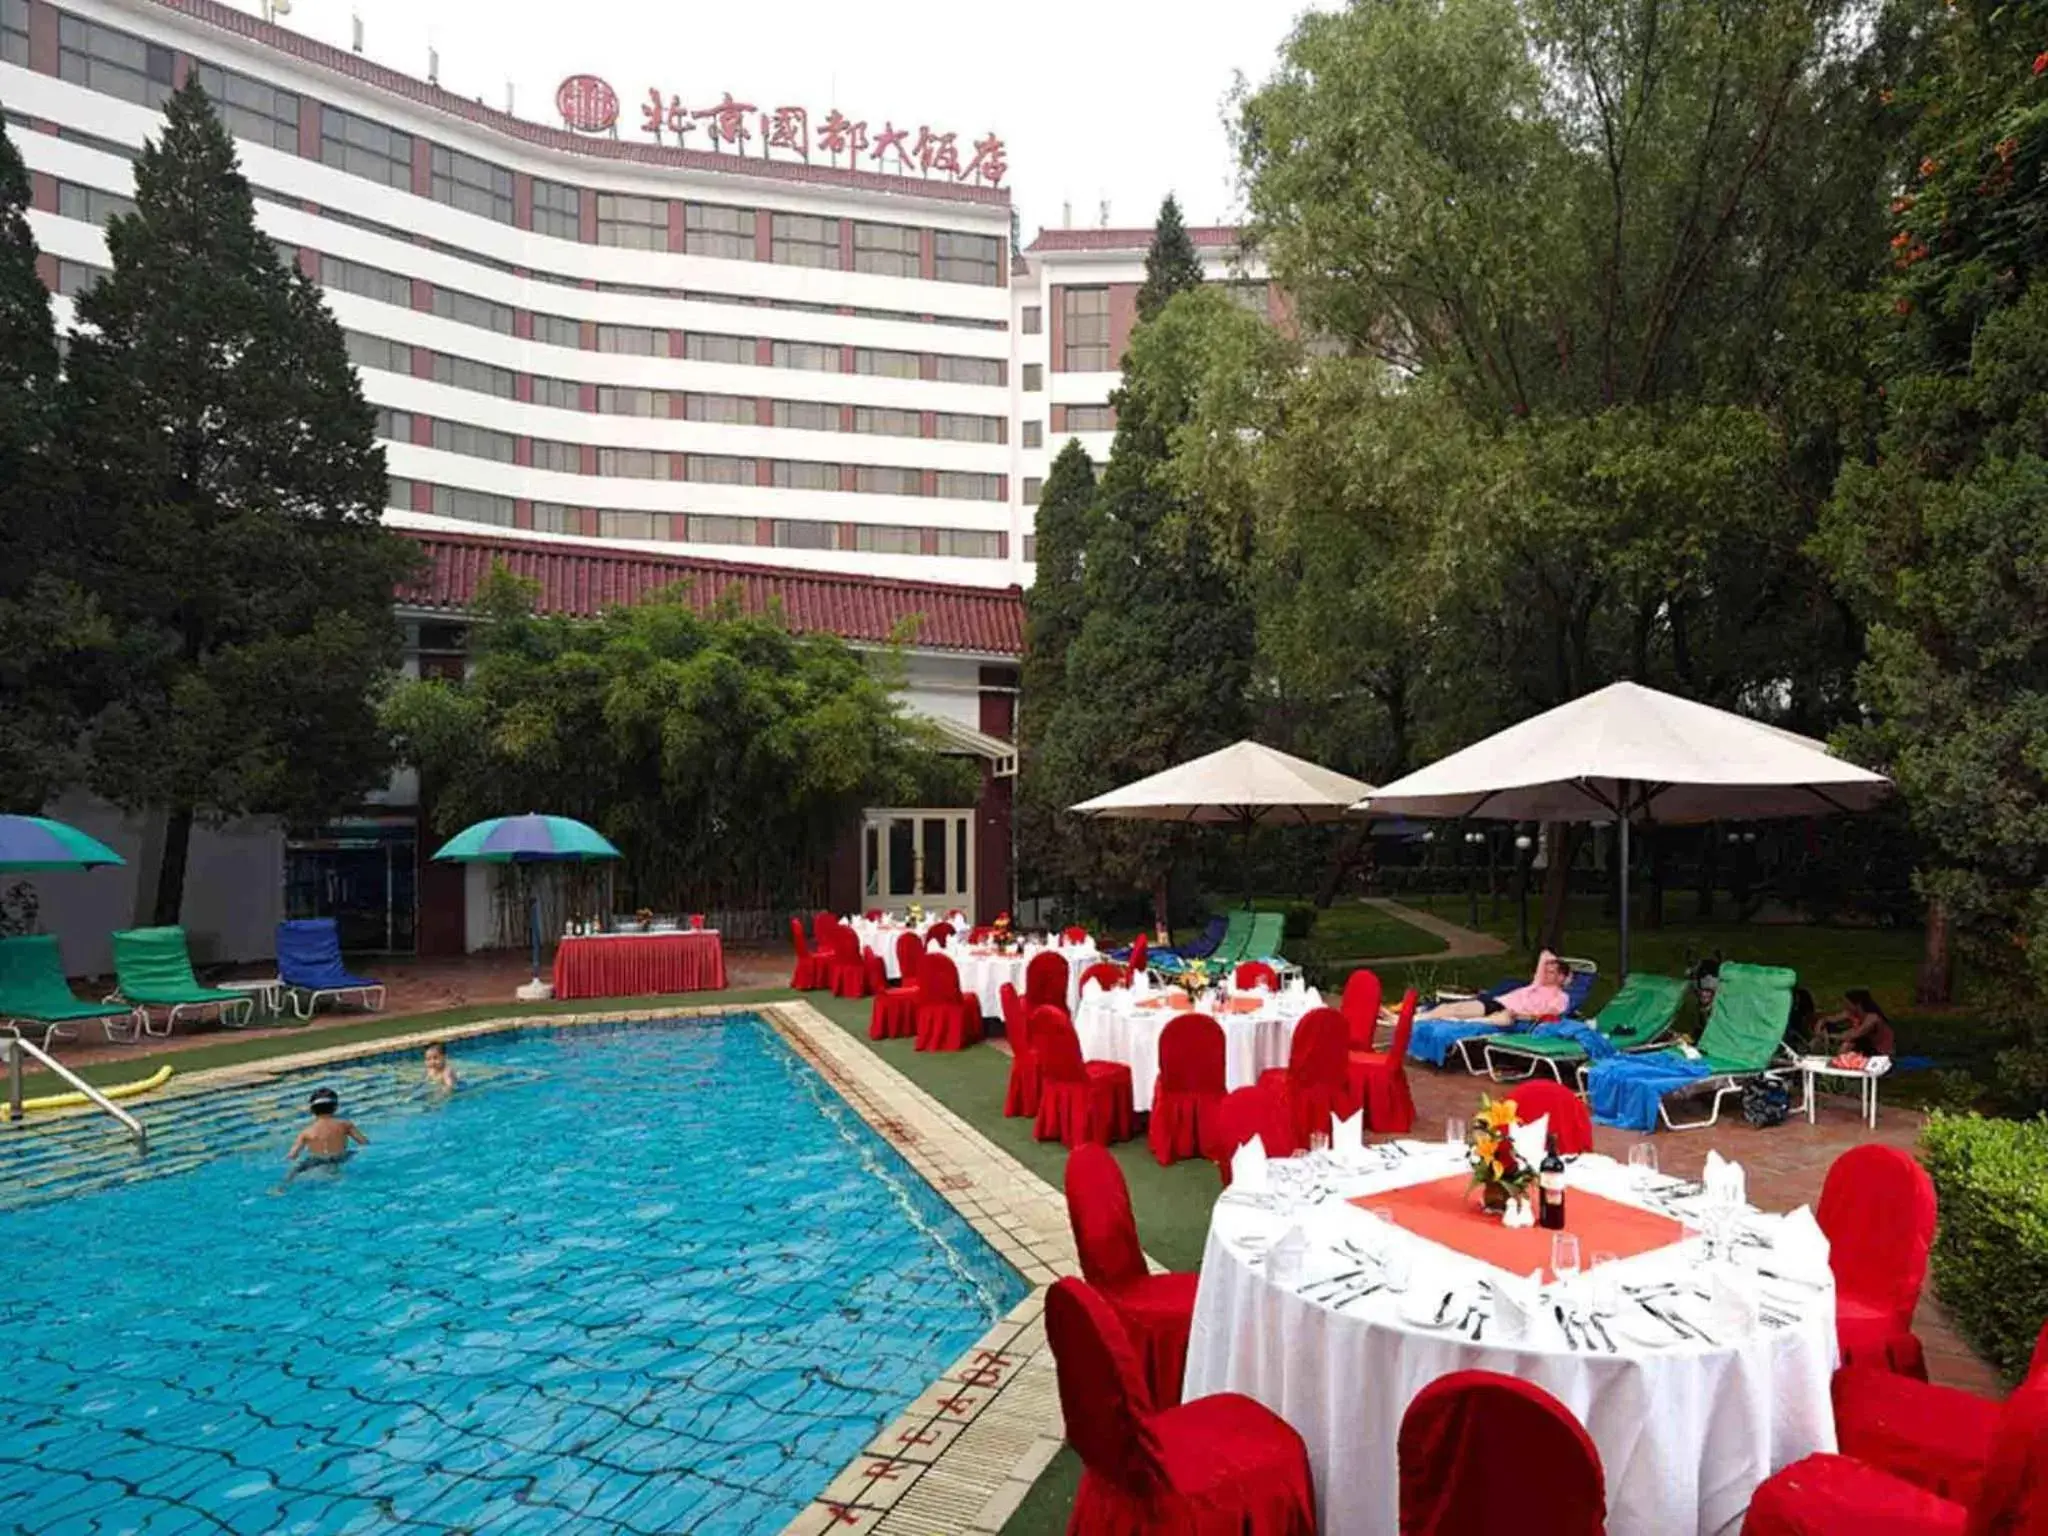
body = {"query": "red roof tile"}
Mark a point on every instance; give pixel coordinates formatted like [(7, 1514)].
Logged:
[(1207, 237), (582, 580)]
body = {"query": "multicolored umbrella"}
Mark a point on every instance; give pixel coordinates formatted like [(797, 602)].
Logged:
[(36, 842), (528, 839)]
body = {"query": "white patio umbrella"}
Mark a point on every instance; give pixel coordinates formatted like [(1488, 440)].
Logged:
[(1625, 753)]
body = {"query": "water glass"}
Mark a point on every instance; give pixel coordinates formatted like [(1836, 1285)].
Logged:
[(1564, 1257), (1642, 1163), (1395, 1267), (1454, 1131), (1318, 1142), (1606, 1289)]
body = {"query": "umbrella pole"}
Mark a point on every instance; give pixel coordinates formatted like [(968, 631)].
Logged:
[(533, 927), (1624, 881)]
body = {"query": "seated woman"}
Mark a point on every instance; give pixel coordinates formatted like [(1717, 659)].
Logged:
[(1860, 1026), (1543, 998)]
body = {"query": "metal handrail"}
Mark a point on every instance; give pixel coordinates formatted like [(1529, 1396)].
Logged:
[(17, 1047)]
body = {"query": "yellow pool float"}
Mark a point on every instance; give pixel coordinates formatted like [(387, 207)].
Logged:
[(155, 1080)]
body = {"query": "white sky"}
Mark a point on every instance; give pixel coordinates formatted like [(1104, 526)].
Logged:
[(1095, 99)]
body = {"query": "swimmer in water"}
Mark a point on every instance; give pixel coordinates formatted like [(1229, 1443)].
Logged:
[(326, 1138), (440, 1075)]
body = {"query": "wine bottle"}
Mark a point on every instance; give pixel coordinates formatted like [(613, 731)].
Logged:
[(1550, 1187)]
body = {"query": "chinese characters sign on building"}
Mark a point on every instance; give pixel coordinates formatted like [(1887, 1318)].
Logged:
[(730, 126)]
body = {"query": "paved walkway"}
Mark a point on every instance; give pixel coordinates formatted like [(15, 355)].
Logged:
[(1462, 943)]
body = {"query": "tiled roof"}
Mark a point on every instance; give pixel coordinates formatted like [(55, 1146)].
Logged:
[(583, 580), (1206, 237), (337, 61)]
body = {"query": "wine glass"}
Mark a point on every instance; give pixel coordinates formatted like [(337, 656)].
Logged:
[(1454, 1131), (1606, 1290), (1642, 1164), (1318, 1142), (1564, 1257)]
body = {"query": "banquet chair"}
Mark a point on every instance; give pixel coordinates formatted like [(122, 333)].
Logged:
[(909, 956), (1073, 933), (981, 933), (1255, 973), (812, 971), (1077, 1100), (1314, 1081), (1105, 974), (1021, 1096), (1837, 1495), (1379, 1079), (946, 1020), (894, 1014), (1156, 1310), (822, 924), (940, 933), (1937, 1438), (1472, 1437), (1361, 1008), (1570, 1121), (849, 972), (1188, 1093), (1877, 1209), (1247, 1112), (1218, 1466), (1045, 979), (873, 914)]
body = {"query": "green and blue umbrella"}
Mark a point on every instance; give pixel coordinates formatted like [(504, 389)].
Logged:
[(528, 839), (30, 843)]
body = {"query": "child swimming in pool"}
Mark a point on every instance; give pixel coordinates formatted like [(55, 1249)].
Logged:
[(326, 1138), (440, 1074)]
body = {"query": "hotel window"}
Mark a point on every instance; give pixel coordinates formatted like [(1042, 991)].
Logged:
[(74, 277), (885, 363), (112, 63), (886, 421), (701, 529), (562, 458), (706, 347), (889, 480), (1034, 434), (553, 517), (790, 534), (557, 331), (472, 506), (720, 469), (369, 282), (893, 250), (1034, 377), (968, 258), (1030, 547), (375, 352), (712, 230), (1034, 320), (1256, 297), (562, 394), (806, 475), (1090, 418), (397, 493), (1032, 487), (14, 32), (968, 544), (803, 240), (807, 416), (468, 309), (881, 539), (964, 486), (473, 185), (634, 223), (633, 463), (463, 373), (476, 442), (970, 429), (112, 147), (366, 149), (616, 400), (394, 426), (287, 255), (557, 210), (976, 370), (633, 340), (727, 410), (1084, 321), (90, 203), (252, 109), (633, 525), (809, 355)]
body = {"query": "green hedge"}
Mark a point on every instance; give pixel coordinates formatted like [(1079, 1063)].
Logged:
[(1299, 920), (1991, 1249)]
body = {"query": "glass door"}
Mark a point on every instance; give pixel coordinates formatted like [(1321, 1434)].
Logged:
[(921, 856)]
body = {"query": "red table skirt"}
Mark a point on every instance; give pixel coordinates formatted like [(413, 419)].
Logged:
[(639, 965)]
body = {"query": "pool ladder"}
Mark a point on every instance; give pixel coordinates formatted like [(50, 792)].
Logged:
[(17, 1047)]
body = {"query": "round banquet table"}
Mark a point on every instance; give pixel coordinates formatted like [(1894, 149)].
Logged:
[(1258, 1031), (1685, 1430), (639, 964), (881, 937), (983, 970)]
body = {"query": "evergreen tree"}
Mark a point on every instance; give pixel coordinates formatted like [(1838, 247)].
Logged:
[(1053, 611), (234, 491), (1171, 265)]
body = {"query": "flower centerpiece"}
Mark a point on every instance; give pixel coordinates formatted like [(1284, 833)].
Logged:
[(1196, 977), (644, 916), (913, 916), (1002, 934), (1497, 1172)]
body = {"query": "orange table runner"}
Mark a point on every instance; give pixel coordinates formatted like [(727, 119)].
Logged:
[(1447, 1211), (1180, 1002)]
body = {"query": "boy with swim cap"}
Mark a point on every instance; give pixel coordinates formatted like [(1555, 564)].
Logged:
[(326, 1138)]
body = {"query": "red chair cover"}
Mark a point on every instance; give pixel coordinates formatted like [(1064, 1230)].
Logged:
[(1138, 952), (1379, 1079), (873, 914), (1077, 1100), (1219, 1466), (822, 924), (1877, 1208), (894, 1015), (1361, 1007), (1073, 933), (939, 933), (1472, 1437), (1045, 980), (1827, 1495), (981, 933), (1570, 1121), (809, 974), (849, 972), (1247, 1112), (1315, 1077), (1021, 1097), (946, 1021), (909, 956), (1188, 1093), (1255, 973), (1106, 974), (1156, 1310)]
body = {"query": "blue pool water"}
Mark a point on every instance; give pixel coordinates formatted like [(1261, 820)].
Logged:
[(631, 1279)]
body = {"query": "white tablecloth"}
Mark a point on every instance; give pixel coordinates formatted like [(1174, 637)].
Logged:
[(1685, 1432), (1114, 1027), (881, 938), (982, 974)]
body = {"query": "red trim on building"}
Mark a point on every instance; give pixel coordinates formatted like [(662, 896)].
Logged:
[(1206, 237)]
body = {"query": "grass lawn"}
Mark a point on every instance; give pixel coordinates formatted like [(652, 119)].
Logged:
[(1348, 930)]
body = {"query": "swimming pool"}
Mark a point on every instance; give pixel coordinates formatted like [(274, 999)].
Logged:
[(629, 1279)]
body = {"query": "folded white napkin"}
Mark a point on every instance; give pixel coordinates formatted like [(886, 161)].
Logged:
[(1141, 983), (1347, 1138), (1295, 984), (1248, 1175), (1517, 1304), (1530, 1140), (1287, 1258), (1731, 1304), (1799, 1247), (1724, 1180)]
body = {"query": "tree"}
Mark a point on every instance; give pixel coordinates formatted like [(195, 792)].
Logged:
[(1171, 265), (233, 491), (1054, 608)]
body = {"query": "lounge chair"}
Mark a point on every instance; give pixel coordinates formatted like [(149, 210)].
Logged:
[(1263, 938), (1637, 1018), (1744, 1041), (153, 969), (33, 992), (1201, 947), (309, 965), (1436, 1039)]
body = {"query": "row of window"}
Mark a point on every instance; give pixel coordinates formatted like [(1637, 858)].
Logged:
[(14, 32), (706, 528), (116, 63)]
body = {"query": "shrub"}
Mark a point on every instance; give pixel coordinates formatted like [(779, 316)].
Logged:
[(1991, 1249), (1299, 919)]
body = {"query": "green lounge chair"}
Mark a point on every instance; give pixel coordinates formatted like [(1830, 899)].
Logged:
[(1230, 948), (153, 969), (33, 992), (1744, 1040), (1263, 941), (1636, 1018)]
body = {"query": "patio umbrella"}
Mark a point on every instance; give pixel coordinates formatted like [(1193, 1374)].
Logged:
[(30, 843), (528, 839), (1625, 753)]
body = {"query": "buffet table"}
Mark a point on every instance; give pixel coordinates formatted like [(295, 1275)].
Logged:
[(640, 964)]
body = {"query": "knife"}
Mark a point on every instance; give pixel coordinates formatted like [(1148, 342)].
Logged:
[(1595, 1321), (1675, 1326), (1557, 1311)]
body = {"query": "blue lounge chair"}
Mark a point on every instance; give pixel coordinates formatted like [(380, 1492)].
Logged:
[(309, 965), (1200, 947), (1434, 1040)]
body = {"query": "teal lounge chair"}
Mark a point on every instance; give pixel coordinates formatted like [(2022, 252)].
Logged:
[(1637, 1018), (153, 969), (33, 992), (1744, 1040), (1262, 941)]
